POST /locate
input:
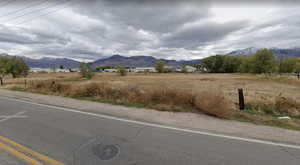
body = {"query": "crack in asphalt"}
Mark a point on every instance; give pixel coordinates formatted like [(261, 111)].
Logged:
[(289, 153), (139, 132)]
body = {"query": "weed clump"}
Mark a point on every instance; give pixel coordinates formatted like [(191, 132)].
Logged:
[(214, 104)]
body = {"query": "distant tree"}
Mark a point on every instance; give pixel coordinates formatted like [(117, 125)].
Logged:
[(231, 64), (17, 67), (297, 68), (122, 70), (246, 64), (3, 69), (264, 61), (287, 65), (214, 64), (160, 66), (86, 71), (199, 67)]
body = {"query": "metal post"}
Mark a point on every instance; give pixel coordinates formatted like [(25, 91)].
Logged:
[(241, 99)]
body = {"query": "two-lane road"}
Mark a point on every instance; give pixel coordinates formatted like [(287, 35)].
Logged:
[(51, 135)]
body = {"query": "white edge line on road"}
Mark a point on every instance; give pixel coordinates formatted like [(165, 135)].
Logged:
[(158, 125)]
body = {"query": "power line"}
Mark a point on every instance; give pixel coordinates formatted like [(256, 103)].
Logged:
[(45, 14), (24, 8), (35, 11)]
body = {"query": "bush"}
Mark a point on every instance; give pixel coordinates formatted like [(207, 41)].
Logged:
[(287, 106), (122, 71), (281, 106), (49, 85), (160, 66), (86, 71), (214, 104)]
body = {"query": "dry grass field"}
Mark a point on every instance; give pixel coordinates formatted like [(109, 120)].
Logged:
[(267, 97)]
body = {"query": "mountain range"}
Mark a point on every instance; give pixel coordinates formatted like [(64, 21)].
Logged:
[(139, 61), (145, 61), (115, 60), (284, 53), (47, 62)]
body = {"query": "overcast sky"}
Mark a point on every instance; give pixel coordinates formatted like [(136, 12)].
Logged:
[(172, 29)]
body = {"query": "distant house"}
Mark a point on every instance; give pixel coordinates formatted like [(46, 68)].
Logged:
[(62, 70), (49, 70), (190, 69), (40, 70), (144, 69)]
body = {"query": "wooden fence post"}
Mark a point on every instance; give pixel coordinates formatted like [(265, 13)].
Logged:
[(241, 99)]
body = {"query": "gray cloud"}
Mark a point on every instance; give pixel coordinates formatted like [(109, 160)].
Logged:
[(93, 29), (197, 2), (199, 34)]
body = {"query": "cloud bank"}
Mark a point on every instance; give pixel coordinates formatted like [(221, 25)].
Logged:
[(92, 29)]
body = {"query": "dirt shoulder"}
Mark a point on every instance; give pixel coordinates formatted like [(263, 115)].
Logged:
[(192, 121)]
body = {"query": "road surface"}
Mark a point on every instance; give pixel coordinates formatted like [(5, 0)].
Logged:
[(39, 134)]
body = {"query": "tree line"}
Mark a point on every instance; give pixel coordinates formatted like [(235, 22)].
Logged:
[(263, 61), (14, 66)]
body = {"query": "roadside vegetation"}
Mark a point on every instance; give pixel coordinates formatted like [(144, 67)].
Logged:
[(267, 97), (271, 99), (160, 98)]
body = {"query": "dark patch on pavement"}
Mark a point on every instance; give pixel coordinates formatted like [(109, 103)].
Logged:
[(106, 152)]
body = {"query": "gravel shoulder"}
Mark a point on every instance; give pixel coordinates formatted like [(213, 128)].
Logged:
[(198, 122)]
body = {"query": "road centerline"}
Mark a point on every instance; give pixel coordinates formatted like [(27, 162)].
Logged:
[(22, 150), (19, 155)]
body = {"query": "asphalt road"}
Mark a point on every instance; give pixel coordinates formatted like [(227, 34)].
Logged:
[(31, 133)]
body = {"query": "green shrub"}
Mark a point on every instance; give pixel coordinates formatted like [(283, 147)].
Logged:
[(86, 71)]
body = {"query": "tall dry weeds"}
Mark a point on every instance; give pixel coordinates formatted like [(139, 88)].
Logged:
[(287, 106), (166, 99), (214, 104)]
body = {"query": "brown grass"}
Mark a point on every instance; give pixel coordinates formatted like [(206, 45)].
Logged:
[(177, 92), (161, 98), (287, 106), (214, 104)]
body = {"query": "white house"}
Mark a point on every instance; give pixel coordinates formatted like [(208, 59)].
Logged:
[(190, 69), (144, 69), (62, 70), (49, 70), (41, 70)]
